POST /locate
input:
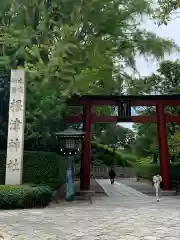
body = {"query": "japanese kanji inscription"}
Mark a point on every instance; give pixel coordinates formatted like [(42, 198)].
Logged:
[(15, 146)]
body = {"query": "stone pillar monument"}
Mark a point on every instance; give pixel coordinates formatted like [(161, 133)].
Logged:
[(15, 142)]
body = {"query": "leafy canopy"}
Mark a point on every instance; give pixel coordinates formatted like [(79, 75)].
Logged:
[(164, 81), (167, 10), (73, 47)]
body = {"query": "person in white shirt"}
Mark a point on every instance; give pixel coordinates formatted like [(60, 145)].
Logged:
[(157, 179)]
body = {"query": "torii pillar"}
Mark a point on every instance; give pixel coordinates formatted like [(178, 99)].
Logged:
[(163, 146), (86, 149)]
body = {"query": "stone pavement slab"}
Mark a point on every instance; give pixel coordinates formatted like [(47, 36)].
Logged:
[(119, 189), (145, 187), (95, 187), (117, 217)]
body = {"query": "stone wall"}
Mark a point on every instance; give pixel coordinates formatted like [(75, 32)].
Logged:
[(103, 171)]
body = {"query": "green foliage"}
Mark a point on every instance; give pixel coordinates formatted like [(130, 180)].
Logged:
[(145, 160), (174, 144), (147, 171), (105, 155), (24, 196), (116, 134), (164, 81), (130, 158), (73, 48), (39, 168), (44, 168), (146, 143), (102, 154), (167, 11)]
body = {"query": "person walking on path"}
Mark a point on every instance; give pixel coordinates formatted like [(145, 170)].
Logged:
[(112, 175), (157, 179)]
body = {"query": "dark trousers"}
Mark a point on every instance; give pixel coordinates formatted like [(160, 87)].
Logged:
[(112, 180)]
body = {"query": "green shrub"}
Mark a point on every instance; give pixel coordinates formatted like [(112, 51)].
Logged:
[(24, 196), (106, 159), (106, 155), (130, 158), (44, 168), (147, 171), (145, 160), (119, 159), (39, 168)]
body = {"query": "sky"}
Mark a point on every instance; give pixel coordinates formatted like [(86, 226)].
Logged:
[(171, 32)]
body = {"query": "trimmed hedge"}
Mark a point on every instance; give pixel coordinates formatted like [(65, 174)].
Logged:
[(39, 168), (24, 196), (147, 171), (44, 168)]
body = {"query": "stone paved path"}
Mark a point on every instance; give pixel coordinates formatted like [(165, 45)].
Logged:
[(123, 215), (144, 187), (119, 190)]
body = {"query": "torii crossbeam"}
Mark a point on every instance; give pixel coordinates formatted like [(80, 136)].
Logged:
[(124, 104)]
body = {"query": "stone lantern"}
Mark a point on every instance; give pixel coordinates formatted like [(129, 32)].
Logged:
[(70, 144)]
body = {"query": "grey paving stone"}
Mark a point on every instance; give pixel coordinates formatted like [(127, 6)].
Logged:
[(126, 214)]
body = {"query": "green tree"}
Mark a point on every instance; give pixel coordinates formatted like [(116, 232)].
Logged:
[(165, 81), (72, 47), (116, 134), (167, 10), (174, 145), (146, 143)]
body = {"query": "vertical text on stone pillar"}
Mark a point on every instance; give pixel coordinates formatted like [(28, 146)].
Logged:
[(15, 144)]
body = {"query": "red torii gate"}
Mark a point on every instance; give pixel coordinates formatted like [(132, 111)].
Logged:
[(88, 118)]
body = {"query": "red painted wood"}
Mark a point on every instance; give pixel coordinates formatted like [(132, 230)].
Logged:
[(88, 119), (136, 119), (86, 150), (154, 102), (133, 102), (175, 119), (163, 146)]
